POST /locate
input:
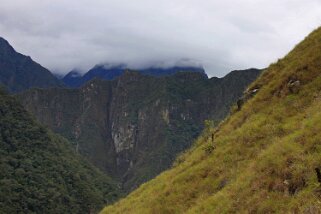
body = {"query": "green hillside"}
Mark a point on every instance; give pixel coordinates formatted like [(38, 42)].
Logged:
[(261, 159), (39, 171)]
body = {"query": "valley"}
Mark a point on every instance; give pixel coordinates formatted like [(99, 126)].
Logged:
[(133, 127), (160, 107)]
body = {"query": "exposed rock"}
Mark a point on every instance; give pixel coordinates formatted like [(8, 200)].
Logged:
[(133, 127), (246, 96), (294, 86)]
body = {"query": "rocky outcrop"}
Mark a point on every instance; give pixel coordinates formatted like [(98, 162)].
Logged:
[(134, 126)]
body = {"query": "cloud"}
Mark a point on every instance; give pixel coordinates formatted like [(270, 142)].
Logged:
[(221, 35)]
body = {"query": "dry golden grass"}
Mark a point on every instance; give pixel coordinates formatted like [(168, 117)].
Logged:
[(264, 156)]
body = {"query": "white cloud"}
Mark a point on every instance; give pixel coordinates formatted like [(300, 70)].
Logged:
[(222, 35)]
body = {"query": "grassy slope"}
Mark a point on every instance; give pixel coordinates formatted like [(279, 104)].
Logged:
[(39, 171), (265, 154)]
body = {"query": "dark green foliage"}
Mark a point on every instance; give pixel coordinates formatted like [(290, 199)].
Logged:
[(40, 173), (179, 136)]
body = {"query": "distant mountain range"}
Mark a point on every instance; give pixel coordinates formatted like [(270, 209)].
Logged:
[(19, 72), (74, 79)]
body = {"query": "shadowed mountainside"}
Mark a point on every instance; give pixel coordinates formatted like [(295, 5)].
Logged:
[(134, 126), (19, 72)]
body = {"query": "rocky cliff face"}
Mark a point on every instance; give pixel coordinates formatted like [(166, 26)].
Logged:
[(134, 126)]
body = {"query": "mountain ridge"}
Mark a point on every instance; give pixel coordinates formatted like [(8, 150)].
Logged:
[(19, 72), (132, 127), (263, 158), (74, 79)]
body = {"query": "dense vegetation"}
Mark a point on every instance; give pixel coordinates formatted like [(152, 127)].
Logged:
[(40, 173), (261, 159)]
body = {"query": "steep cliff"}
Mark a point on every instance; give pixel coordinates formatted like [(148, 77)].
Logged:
[(264, 158), (134, 126)]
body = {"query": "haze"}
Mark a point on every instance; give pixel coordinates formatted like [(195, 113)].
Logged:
[(220, 35)]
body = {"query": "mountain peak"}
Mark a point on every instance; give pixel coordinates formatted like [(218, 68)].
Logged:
[(112, 71), (4, 42), (74, 73), (20, 72), (6, 49)]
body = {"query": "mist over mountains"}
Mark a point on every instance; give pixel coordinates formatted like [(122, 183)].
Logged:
[(110, 114), (110, 72), (150, 120)]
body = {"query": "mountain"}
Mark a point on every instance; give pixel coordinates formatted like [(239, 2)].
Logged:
[(74, 79), (41, 173), (134, 126), (19, 72), (264, 158)]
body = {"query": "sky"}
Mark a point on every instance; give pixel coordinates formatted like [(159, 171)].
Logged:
[(220, 35)]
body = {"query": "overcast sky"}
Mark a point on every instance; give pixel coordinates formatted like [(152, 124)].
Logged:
[(221, 35)]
